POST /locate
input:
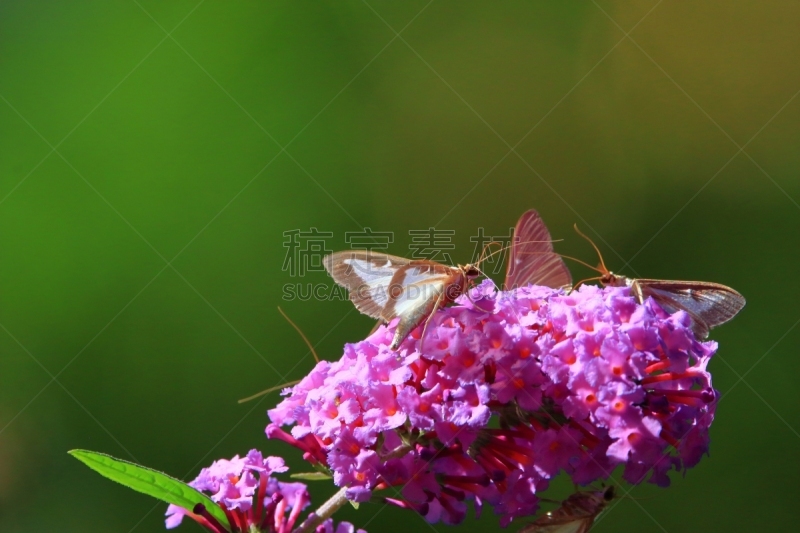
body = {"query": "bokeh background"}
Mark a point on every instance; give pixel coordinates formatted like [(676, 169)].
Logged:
[(152, 155)]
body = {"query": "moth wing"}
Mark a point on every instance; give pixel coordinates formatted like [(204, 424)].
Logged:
[(532, 259), (709, 304), (582, 525), (416, 287), (575, 515), (366, 275), (560, 525)]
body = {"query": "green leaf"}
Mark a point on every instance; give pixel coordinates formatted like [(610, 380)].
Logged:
[(310, 476), (150, 482), (354, 504)]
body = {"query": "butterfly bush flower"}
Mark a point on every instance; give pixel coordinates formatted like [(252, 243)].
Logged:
[(252, 500), (505, 391)]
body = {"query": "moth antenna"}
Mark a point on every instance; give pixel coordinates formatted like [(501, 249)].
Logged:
[(466, 292), (596, 249), (308, 343), (473, 302), (495, 288), (267, 391), (504, 248), (594, 488), (634, 498), (481, 257), (485, 276), (584, 263)]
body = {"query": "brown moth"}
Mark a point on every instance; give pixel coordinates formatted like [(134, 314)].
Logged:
[(575, 515), (532, 259), (708, 304), (386, 286)]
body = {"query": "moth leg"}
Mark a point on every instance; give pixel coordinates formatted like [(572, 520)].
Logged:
[(430, 316), (637, 291)]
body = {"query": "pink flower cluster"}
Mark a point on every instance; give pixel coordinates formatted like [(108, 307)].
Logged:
[(251, 499), (506, 390)]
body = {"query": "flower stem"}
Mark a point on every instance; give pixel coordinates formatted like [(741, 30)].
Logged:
[(400, 451), (324, 512)]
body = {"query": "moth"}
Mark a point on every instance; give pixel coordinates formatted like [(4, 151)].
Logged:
[(386, 287), (708, 304), (532, 259), (575, 515)]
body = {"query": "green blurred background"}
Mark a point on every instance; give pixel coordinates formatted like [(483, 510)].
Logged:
[(142, 259)]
